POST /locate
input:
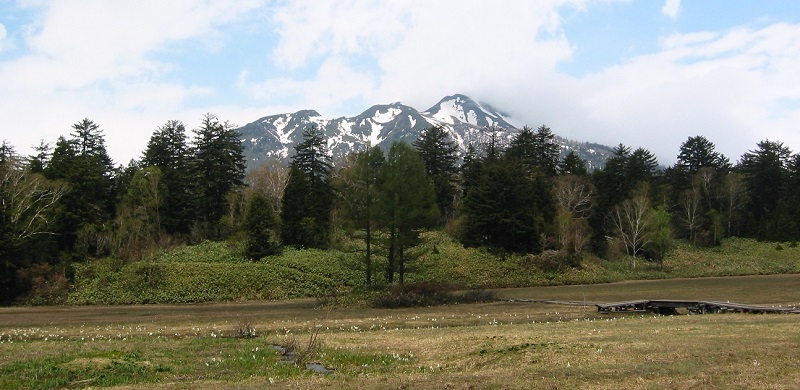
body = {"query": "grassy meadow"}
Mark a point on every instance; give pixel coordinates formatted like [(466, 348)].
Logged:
[(214, 320), (219, 271), (490, 345)]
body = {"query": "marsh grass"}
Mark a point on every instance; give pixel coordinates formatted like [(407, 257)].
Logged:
[(488, 345)]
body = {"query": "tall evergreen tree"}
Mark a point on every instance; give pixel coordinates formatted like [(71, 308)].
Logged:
[(765, 170), (82, 162), (359, 188), (440, 154), (501, 209), (408, 204), (308, 197), (38, 161), (168, 149), (698, 152), (640, 167), (535, 150), (261, 226), (218, 168), (572, 165)]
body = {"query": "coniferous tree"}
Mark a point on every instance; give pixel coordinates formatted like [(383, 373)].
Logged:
[(500, 210), (640, 167), (168, 149), (218, 168), (359, 188), (38, 161), (698, 152), (440, 154), (261, 226), (765, 170), (572, 165), (510, 203), (83, 163), (308, 197), (408, 204), (535, 150)]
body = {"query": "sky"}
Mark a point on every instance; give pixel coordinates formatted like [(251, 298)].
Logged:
[(644, 73)]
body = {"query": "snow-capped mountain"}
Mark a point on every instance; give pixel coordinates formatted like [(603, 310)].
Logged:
[(274, 136)]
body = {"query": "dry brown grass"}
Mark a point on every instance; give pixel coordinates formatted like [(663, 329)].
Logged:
[(494, 345)]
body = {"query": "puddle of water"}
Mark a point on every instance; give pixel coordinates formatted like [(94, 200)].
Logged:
[(318, 368)]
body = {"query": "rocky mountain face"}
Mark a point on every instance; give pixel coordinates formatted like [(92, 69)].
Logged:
[(467, 122)]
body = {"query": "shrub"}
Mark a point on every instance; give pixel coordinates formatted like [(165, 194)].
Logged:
[(554, 261), (415, 295), (44, 285)]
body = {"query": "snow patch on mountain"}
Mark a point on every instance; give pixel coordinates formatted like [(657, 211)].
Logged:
[(465, 120)]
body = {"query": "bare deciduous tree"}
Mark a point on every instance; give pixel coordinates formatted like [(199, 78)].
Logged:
[(735, 198), (27, 199), (631, 223), (270, 179), (574, 198), (690, 211)]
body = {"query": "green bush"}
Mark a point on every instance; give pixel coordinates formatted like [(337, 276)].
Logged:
[(219, 271)]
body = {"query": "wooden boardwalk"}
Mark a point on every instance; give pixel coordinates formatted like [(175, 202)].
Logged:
[(664, 306), (696, 307)]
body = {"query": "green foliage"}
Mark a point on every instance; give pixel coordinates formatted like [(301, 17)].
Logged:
[(212, 271), (168, 150), (508, 208), (83, 163), (261, 227), (407, 204), (216, 271), (138, 219), (308, 198), (440, 154), (218, 168), (572, 165), (358, 187)]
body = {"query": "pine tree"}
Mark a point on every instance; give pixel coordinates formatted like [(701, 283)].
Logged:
[(83, 163), (765, 170), (440, 154), (572, 165), (168, 150), (308, 197), (218, 168), (358, 186), (641, 167), (535, 150), (698, 152), (261, 227), (408, 204), (501, 209), (40, 160)]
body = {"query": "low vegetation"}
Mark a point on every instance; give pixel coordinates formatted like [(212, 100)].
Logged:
[(215, 271), (490, 345)]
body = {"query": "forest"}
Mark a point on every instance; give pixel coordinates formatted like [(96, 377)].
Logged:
[(69, 204)]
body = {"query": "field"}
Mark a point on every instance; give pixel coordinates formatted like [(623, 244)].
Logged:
[(492, 345)]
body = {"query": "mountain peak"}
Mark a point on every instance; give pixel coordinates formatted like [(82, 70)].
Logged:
[(462, 108), (464, 119)]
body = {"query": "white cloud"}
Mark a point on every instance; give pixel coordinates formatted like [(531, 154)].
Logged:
[(727, 87), (422, 49), (5, 41), (102, 60), (671, 8), (316, 29)]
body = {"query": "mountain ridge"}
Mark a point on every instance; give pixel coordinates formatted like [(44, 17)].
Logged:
[(464, 119)]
